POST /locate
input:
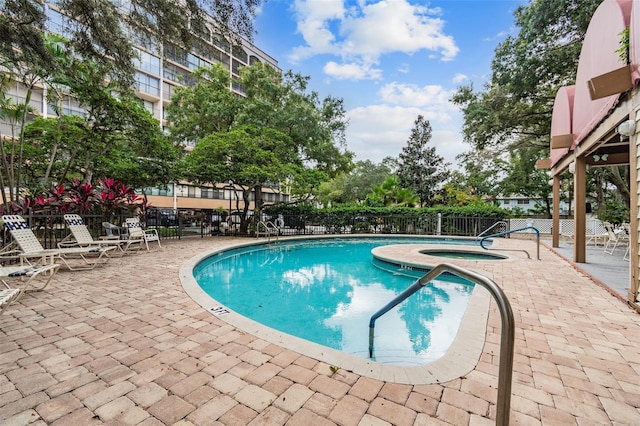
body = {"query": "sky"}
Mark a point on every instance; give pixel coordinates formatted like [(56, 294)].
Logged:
[(390, 61)]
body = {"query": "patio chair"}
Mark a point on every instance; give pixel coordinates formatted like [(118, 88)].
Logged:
[(30, 249), (81, 237), (9, 294), (136, 232), (115, 232), (615, 238)]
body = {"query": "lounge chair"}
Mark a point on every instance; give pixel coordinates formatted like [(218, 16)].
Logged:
[(30, 249), (136, 232), (81, 237), (616, 238), (9, 294), (115, 232)]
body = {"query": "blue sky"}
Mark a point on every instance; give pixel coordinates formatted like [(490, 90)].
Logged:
[(389, 60)]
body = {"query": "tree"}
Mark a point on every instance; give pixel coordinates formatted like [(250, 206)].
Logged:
[(105, 31), (355, 185), (314, 127), (420, 168), (524, 179), (391, 194), (514, 108), (206, 107), (250, 157), (481, 172)]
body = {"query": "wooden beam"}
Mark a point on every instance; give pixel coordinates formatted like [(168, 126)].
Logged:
[(618, 159), (611, 83), (580, 211), (561, 141), (543, 164)]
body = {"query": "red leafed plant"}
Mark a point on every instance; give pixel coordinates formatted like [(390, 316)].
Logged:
[(110, 196), (115, 195)]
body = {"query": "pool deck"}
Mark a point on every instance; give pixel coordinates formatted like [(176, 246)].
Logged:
[(124, 344)]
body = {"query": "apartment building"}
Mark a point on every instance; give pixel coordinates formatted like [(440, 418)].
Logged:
[(159, 70)]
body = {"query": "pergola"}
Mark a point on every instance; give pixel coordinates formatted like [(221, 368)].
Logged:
[(594, 122)]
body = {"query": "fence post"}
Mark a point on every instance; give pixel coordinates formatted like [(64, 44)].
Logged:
[(439, 225)]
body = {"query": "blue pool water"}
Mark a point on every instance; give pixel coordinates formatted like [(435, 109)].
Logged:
[(325, 291)]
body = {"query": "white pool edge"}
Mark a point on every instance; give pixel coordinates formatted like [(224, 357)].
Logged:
[(461, 357)]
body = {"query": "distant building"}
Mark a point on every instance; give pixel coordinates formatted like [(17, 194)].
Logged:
[(156, 78), (525, 204)]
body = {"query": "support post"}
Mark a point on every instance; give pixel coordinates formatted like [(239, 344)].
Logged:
[(580, 210)]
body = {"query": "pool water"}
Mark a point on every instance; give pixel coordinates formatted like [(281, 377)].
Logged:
[(325, 291)]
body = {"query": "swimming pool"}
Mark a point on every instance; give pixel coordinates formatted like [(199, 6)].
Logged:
[(326, 290)]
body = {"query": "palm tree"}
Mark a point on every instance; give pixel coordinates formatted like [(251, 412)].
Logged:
[(393, 195)]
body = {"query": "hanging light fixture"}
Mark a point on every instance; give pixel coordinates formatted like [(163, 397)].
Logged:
[(626, 128)]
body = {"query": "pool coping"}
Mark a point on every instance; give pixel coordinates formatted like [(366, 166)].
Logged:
[(461, 357)]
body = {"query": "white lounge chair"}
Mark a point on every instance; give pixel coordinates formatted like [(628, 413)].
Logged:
[(616, 238), (30, 249), (136, 232), (81, 237), (9, 294)]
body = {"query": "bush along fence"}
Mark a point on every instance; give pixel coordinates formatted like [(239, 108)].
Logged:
[(50, 228)]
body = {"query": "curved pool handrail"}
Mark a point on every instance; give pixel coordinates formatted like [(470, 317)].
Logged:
[(500, 234), (502, 222), (269, 230), (507, 338)]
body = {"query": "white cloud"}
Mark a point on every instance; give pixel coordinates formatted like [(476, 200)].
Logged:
[(460, 78), (431, 98), (364, 31), (404, 68), (378, 131), (352, 71)]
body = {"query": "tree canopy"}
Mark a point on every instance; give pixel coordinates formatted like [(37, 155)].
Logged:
[(420, 168), (514, 108), (312, 128)]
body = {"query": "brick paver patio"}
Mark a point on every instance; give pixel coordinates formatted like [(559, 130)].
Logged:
[(123, 344)]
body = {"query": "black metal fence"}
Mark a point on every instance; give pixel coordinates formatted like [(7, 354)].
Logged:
[(50, 228)]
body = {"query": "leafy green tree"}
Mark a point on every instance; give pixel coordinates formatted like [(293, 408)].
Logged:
[(420, 168), (481, 172), (314, 127), (355, 185), (105, 31), (250, 157), (391, 194), (524, 179), (514, 109), (204, 108)]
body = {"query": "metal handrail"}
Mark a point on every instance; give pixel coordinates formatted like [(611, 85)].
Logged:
[(511, 232), (502, 222), (269, 229), (507, 333)]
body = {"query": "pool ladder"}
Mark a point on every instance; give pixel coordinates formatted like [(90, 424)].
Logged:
[(267, 229), (507, 330), (500, 234)]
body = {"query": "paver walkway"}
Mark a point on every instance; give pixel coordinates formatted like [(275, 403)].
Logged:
[(123, 344)]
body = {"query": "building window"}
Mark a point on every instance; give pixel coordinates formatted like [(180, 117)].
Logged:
[(147, 84), (148, 105), (167, 90), (236, 67), (523, 201), (56, 23), (147, 62), (239, 52), (176, 55)]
